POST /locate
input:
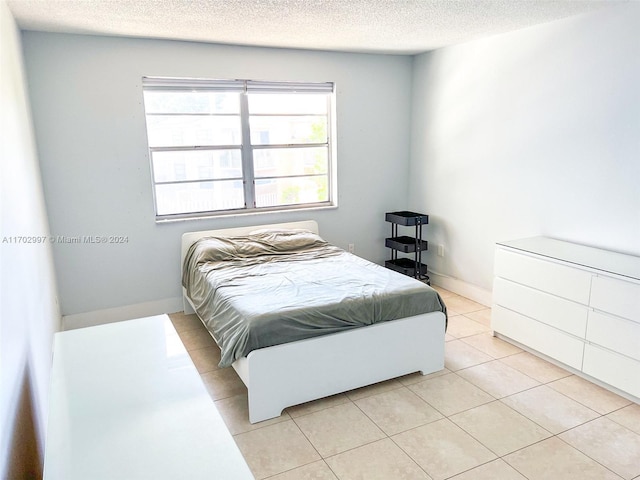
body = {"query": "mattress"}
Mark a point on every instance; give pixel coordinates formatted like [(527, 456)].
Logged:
[(273, 287)]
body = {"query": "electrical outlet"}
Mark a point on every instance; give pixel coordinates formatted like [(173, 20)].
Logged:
[(352, 248), (441, 250)]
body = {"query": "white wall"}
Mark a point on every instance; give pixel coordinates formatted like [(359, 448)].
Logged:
[(89, 120), (535, 132), (29, 314)]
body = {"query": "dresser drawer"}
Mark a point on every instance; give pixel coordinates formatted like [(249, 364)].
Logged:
[(616, 370), (555, 311), (570, 283), (614, 333), (543, 338), (615, 296)]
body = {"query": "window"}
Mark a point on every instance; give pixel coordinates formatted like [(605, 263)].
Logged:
[(227, 146)]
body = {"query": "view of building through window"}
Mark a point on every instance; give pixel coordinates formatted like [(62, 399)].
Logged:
[(236, 145)]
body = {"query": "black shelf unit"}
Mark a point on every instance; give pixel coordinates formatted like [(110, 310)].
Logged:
[(412, 267)]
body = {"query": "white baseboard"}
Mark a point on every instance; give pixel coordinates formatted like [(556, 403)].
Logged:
[(460, 287), (118, 314)]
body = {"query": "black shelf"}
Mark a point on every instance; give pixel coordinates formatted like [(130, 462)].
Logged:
[(406, 244), (407, 219), (412, 267), (407, 267)]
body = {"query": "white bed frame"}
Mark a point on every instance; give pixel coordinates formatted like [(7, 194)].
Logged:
[(289, 374)]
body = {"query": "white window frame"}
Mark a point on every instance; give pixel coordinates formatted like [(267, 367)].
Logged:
[(246, 87)]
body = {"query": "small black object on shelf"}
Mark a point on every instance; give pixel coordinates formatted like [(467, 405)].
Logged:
[(406, 244)]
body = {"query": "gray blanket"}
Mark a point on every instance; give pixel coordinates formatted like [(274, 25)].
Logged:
[(274, 287)]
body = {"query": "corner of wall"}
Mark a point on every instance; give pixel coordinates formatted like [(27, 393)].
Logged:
[(29, 314), (468, 290)]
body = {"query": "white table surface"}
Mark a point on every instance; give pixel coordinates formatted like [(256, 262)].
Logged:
[(582, 255), (127, 403)]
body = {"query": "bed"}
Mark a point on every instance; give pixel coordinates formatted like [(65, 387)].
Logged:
[(314, 341)]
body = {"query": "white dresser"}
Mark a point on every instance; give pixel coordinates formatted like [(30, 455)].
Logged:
[(578, 305), (127, 403)]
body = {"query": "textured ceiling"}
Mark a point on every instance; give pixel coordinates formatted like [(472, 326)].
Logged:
[(380, 26)]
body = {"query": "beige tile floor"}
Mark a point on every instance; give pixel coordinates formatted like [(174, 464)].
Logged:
[(495, 412)]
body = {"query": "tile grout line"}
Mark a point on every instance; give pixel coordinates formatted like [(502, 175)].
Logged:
[(501, 400)]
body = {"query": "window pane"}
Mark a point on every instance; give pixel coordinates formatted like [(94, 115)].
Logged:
[(282, 162), (287, 103), (196, 165), (291, 191), (167, 101), (183, 130), (270, 130), (202, 139), (199, 197)]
